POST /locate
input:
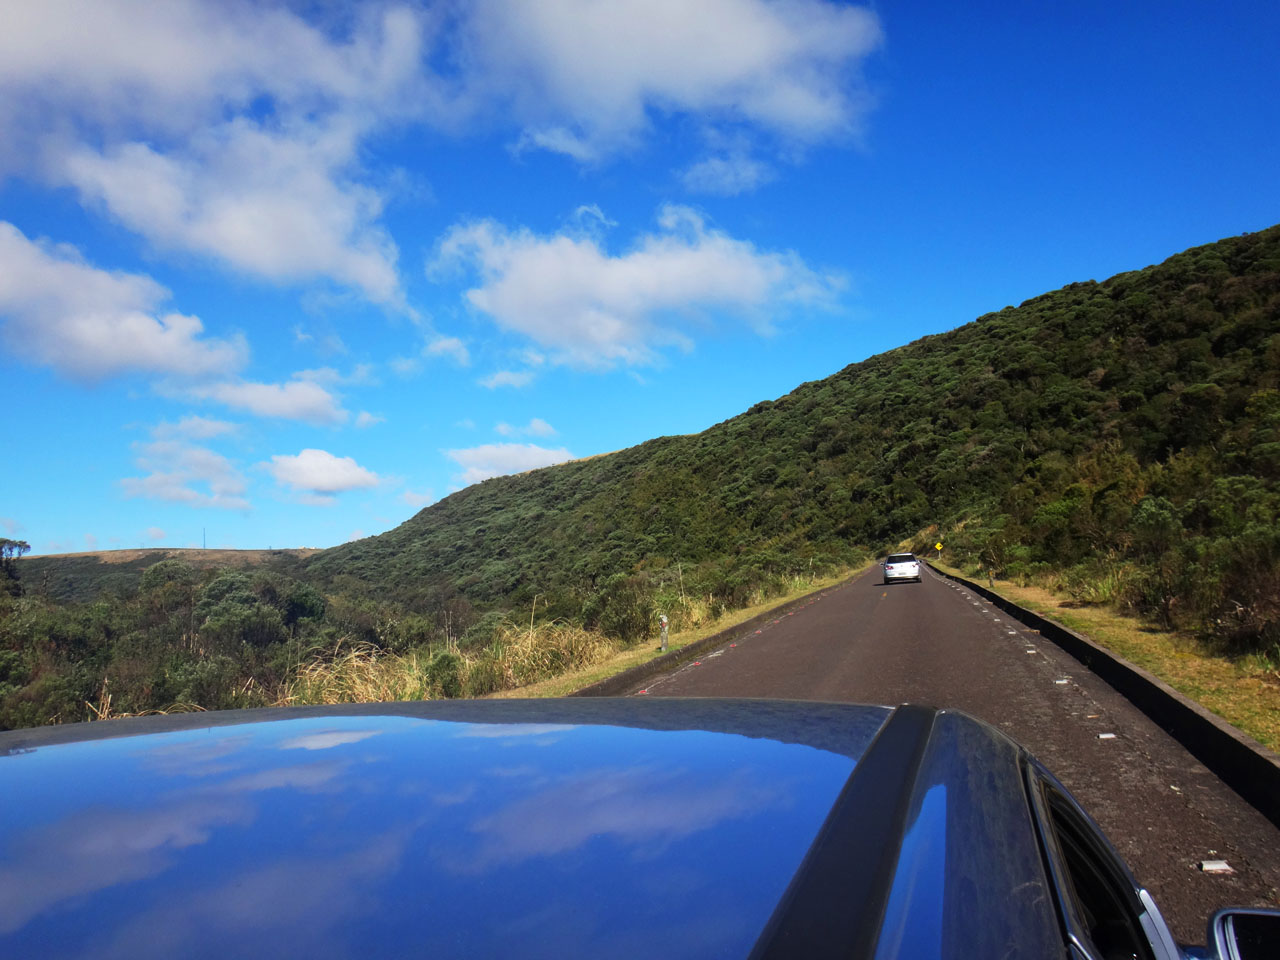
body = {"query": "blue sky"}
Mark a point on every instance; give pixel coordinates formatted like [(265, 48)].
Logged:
[(283, 274)]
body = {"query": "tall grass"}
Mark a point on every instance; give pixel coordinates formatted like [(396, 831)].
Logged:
[(692, 612), (1098, 582), (361, 672), (519, 656)]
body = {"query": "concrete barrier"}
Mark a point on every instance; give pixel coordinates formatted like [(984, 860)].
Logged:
[(1243, 764)]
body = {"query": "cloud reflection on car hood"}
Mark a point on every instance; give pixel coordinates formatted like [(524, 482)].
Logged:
[(405, 835)]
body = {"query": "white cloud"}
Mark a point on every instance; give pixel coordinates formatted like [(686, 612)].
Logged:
[(727, 175), (268, 204), (296, 399), (320, 474), (596, 310), (155, 533), (327, 740), (449, 346), (197, 428), (99, 849), (325, 375), (229, 130), (367, 419), (89, 323), (536, 427), (188, 60), (506, 378), (11, 526), (499, 459), (180, 472), (405, 366), (328, 343), (90, 542), (589, 217), (361, 373), (418, 499), (638, 808), (238, 131), (585, 77)]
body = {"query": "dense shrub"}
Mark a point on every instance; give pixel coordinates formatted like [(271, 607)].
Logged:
[(622, 609), (445, 671), (483, 632)]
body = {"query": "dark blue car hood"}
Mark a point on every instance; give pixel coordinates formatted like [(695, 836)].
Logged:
[(480, 829)]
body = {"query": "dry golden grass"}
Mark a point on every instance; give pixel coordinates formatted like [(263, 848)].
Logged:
[(548, 650), (364, 673), (358, 673), (103, 709), (1244, 691)]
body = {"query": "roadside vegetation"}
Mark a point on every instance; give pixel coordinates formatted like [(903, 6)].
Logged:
[(1120, 439), (188, 639)]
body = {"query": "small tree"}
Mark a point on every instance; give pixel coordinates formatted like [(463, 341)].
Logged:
[(11, 550)]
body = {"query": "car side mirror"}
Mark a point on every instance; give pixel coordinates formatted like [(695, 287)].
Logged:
[(1241, 933)]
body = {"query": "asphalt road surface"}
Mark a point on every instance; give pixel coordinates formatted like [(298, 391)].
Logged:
[(935, 643)]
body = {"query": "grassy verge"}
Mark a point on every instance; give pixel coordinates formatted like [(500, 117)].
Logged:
[(1244, 691), (635, 656)]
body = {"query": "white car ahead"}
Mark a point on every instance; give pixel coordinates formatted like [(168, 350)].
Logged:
[(901, 566)]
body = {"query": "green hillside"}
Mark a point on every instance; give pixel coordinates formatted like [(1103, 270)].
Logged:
[(1124, 433), (1121, 439)]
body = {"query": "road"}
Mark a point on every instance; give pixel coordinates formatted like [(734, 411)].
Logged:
[(936, 643)]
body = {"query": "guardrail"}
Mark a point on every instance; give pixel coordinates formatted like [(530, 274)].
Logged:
[(1243, 764)]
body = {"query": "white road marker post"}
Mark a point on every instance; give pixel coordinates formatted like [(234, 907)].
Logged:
[(662, 620)]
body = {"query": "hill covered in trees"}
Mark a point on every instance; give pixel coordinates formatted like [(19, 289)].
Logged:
[(1121, 438), (1124, 434)]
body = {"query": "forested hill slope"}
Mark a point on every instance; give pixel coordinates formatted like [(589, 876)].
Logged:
[(1126, 433)]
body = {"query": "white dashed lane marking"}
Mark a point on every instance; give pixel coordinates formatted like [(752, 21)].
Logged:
[(1061, 681)]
